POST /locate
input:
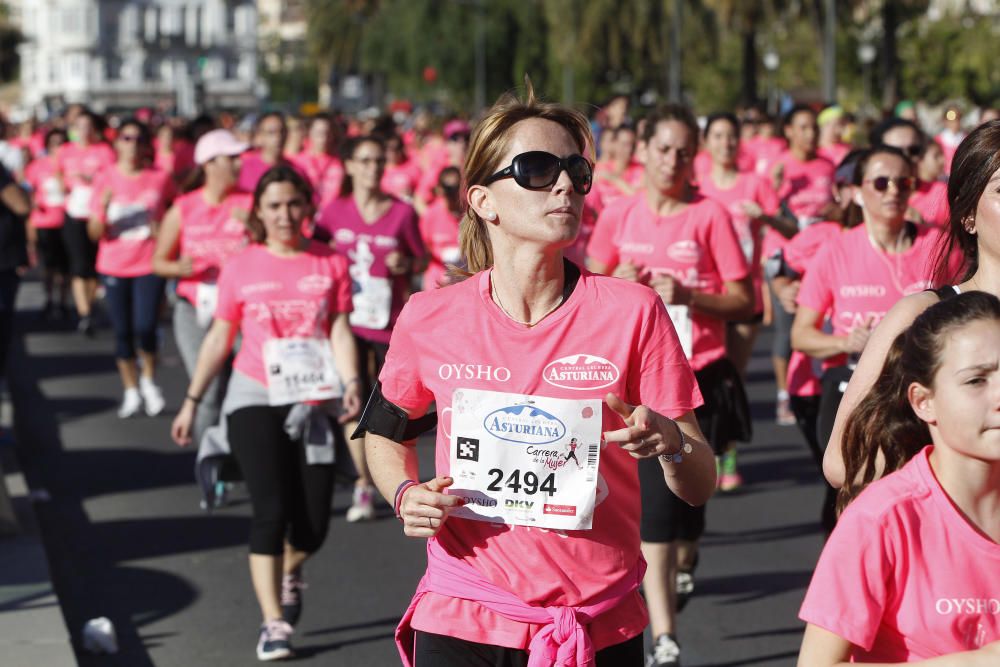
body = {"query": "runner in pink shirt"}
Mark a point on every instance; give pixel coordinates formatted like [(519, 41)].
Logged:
[(203, 230), (295, 376), (439, 229), (270, 134), (619, 175), (802, 178), (909, 574), (77, 162), (129, 200), (753, 207), (856, 280), (456, 144), (831, 122), (380, 236), (46, 222), (533, 328), (174, 154), (684, 246), (765, 147), (319, 162), (402, 175), (929, 201)]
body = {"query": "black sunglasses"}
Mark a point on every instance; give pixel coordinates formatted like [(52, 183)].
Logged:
[(538, 170), (902, 183)]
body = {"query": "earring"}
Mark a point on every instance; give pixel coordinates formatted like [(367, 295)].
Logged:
[(969, 224), (491, 216)]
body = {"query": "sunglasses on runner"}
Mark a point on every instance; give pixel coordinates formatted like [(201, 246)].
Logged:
[(538, 170), (902, 183)]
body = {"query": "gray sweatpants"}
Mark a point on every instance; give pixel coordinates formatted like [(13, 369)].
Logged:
[(189, 336)]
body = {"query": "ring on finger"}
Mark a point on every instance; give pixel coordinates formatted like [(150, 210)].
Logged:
[(430, 523), (642, 442)]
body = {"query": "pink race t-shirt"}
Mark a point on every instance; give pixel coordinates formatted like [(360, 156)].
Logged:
[(130, 206), (401, 180), (49, 197), (210, 235), (930, 200), (748, 187), (765, 152), (905, 577), (854, 281), (269, 296), (79, 165), (805, 186), (455, 339), (325, 174), (253, 167), (606, 190), (378, 295), (439, 231), (835, 153), (697, 246)]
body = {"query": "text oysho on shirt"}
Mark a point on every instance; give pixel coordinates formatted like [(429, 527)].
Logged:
[(269, 297), (698, 247), (609, 336)]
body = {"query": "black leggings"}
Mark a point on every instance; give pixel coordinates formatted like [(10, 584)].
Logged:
[(290, 498), (431, 650)]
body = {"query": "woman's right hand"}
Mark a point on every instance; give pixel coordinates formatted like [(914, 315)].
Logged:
[(424, 508), (180, 430), (185, 266)]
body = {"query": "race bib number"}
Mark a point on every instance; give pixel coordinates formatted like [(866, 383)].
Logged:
[(681, 317), (206, 299), (300, 369), (129, 222), (525, 460), (78, 205), (372, 303), (52, 190)]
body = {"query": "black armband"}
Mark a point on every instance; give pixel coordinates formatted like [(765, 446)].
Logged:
[(384, 418)]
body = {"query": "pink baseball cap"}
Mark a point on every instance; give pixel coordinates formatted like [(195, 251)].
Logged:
[(455, 127), (218, 142)]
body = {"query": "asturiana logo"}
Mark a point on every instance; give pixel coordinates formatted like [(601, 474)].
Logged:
[(524, 424), (581, 371)]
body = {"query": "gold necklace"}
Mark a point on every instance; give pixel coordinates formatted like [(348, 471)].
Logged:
[(496, 299)]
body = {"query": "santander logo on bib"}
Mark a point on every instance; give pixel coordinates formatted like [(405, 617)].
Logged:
[(581, 371), (688, 252), (524, 424)]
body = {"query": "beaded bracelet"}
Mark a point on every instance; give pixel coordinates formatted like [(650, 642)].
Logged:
[(398, 498)]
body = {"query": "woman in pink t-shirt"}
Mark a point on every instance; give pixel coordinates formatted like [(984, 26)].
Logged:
[(128, 202), (974, 202), (528, 551), (200, 233), (289, 298), (618, 175), (402, 175), (270, 134), (78, 162), (909, 575), (439, 229), (801, 177), (855, 280), (684, 246), (46, 223), (380, 236), (319, 162)]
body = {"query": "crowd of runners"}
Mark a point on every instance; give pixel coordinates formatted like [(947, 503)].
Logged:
[(571, 303)]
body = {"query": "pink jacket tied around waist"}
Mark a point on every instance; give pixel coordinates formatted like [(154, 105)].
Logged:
[(562, 642)]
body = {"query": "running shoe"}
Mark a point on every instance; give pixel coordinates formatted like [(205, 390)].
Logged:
[(666, 652), (151, 396), (131, 403), (685, 588), (363, 506), (729, 477), (86, 326), (274, 642), (291, 598), (783, 412)]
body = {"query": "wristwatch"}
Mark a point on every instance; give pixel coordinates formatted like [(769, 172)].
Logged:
[(686, 448)]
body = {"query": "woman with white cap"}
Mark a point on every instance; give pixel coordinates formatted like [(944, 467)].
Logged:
[(203, 229)]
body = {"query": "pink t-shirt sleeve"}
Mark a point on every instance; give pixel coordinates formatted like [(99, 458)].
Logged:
[(815, 291), (602, 240), (228, 306), (666, 382), (101, 185), (342, 300), (725, 247), (849, 592), (766, 197), (400, 376)]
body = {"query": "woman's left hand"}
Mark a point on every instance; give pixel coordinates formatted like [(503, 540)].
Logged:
[(646, 433), (350, 403)]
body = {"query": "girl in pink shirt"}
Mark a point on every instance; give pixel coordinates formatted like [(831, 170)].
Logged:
[(930, 199), (619, 175), (46, 221), (78, 162), (270, 135), (203, 230), (684, 246), (801, 177), (439, 229), (909, 575), (402, 175), (380, 236), (289, 298), (529, 327), (319, 162), (129, 200)]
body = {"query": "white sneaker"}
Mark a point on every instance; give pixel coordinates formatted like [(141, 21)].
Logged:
[(151, 396), (363, 507), (130, 404), (666, 652)]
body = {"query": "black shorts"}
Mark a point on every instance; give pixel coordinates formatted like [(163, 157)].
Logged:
[(82, 252), (432, 650), (371, 358), (52, 250), (724, 417), (832, 385)]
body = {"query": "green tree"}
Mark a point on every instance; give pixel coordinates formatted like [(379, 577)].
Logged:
[(10, 38)]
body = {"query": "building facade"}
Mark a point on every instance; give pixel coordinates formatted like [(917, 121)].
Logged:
[(184, 55)]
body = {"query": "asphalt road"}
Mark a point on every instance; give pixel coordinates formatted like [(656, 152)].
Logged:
[(127, 540)]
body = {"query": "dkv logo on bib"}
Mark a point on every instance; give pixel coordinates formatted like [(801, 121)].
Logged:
[(524, 424), (581, 371)]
